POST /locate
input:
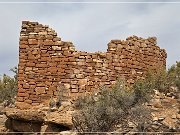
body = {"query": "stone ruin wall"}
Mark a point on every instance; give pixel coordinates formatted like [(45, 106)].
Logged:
[(46, 62)]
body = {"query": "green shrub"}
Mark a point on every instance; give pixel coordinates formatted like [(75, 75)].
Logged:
[(143, 88), (161, 80), (103, 111), (174, 72), (8, 87)]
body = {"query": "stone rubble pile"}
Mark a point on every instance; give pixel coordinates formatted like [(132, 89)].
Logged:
[(166, 112)]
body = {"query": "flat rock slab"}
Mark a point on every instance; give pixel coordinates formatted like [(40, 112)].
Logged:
[(64, 119), (18, 118), (25, 115)]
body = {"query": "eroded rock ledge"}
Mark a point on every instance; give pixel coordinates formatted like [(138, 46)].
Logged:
[(39, 119)]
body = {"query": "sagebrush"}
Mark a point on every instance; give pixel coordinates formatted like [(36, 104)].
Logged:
[(109, 108), (8, 87)]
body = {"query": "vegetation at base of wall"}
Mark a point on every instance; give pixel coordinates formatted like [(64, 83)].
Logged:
[(108, 109), (174, 72), (159, 80), (162, 80), (8, 87)]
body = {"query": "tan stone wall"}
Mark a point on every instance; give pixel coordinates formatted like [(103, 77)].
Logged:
[(46, 62)]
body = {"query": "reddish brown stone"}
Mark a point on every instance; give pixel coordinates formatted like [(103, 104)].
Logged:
[(52, 88), (41, 65), (40, 90), (30, 64), (20, 99), (74, 90), (22, 94), (23, 46), (33, 97), (32, 41), (35, 104), (22, 105), (28, 101), (49, 92), (48, 42), (23, 42), (32, 83), (45, 62)]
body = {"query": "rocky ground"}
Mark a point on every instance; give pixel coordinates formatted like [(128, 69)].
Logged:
[(3, 118), (38, 119), (166, 111), (166, 117), (2, 123)]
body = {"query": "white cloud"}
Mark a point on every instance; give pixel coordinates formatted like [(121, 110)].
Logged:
[(91, 26)]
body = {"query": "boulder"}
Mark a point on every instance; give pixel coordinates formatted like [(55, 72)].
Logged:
[(24, 115), (40, 119), (64, 119)]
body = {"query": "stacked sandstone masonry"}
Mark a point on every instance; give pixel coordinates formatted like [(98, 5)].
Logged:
[(45, 61)]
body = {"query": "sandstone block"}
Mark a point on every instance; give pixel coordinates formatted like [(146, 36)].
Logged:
[(21, 90), (49, 37), (35, 104), (49, 92), (23, 42), (48, 42), (80, 76), (26, 86), (30, 64), (40, 90), (20, 99), (82, 82), (23, 46), (59, 43), (74, 90), (56, 48), (22, 105), (28, 101), (28, 69), (43, 33), (41, 65), (22, 94), (32, 41), (67, 85), (56, 39), (76, 71), (52, 88)]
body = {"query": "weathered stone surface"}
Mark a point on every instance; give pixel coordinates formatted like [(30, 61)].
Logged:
[(24, 126), (40, 90), (40, 118), (165, 112), (32, 41), (3, 118), (25, 115), (83, 82), (22, 105), (64, 119), (46, 60)]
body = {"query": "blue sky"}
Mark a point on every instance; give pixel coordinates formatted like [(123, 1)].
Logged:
[(91, 26)]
